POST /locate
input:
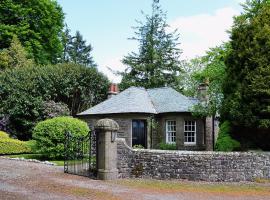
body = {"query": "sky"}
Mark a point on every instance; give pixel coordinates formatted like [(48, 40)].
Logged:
[(107, 25)]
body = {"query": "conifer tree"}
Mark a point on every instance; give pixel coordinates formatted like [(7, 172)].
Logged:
[(247, 84), (76, 50), (157, 62)]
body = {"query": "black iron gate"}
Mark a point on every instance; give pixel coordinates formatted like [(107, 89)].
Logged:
[(80, 155)]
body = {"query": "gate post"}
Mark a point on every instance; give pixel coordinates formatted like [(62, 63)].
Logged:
[(106, 130)]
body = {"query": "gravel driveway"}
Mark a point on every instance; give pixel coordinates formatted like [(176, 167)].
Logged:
[(27, 180)]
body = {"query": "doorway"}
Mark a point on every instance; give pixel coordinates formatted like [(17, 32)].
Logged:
[(139, 133)]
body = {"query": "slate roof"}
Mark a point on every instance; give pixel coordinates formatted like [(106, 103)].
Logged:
[(140, 100)]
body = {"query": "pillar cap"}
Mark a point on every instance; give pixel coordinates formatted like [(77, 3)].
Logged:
[(107, 124)]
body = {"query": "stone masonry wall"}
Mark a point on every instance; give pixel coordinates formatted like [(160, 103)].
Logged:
[(206, 166)]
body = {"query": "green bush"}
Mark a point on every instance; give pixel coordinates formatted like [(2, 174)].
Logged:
[(32, 144), (50, 135), (3, 135), (165, 146), (225, 142), (12, 146)]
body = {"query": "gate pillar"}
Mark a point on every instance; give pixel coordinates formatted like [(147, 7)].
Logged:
[(106, 130)]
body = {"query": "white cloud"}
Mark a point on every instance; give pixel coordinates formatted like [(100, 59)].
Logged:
[(116, 65), (200, 32)]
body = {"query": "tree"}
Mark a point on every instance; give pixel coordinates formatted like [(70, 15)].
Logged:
[(24, 91), (212, 70), (76, 50), (14, 56), (157, 63), (38, 25), (246, 86)]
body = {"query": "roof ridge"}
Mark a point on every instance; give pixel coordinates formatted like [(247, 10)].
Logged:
[(151, 101), (158, 88)]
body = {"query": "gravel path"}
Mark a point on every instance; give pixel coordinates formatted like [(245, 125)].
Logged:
[(27, 180)]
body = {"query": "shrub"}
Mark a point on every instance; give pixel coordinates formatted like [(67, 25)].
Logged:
[(12, 146), (165, 146), (3, 135), (225, 142), (52, 109), (24, 90), (50, 135), (32, 144)]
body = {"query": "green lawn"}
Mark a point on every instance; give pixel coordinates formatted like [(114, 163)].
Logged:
[(37, 157)]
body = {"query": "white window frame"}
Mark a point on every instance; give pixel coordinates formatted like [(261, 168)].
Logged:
[(190, 132), (169, 136)]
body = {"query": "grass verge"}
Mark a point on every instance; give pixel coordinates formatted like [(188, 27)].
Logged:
[(238, 189)]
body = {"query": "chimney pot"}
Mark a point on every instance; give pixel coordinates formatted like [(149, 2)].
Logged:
[(113, 90)]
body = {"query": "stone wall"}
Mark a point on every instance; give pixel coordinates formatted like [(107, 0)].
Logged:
[(206, 166)]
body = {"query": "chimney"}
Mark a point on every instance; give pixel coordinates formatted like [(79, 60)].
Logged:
[(202, 91), (113, 90)]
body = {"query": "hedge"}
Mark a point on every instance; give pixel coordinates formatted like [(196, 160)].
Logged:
[(3, 135), (50, 135), (12, 146)]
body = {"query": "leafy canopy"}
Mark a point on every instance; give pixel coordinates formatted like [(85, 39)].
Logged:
[(211, 69), (246, 87), (14, 56), (157, 62), (38, 25), (24, 92)]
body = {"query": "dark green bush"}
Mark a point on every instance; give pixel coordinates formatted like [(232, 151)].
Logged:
[(165, 146), (25, 91), (225, 142), (50, 135), (12, 146)]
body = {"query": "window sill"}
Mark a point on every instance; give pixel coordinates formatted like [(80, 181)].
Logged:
[(190, 144)]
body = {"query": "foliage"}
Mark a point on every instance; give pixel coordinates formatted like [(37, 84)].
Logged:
[(189, 81), (246, 86), (76, 50), (138, 146), (211, 69), (32, 144), (37, 24), (24, 91), (12, 146), (50, 134), (14, 56), (52, 109), (157, 62), (166, 146), (3, 135), (225, 141)]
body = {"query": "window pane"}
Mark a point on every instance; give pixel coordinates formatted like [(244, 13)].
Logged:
[(190, 132), (171, 131)]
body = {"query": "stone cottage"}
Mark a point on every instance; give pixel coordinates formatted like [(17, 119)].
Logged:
[(149, 117)]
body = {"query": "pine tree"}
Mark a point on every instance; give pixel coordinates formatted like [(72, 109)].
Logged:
[(76, 50), (157, 63)]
